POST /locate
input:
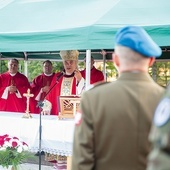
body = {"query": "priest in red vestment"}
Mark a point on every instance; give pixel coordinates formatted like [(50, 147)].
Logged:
[(65, 83), (95, 74), (41, 85), (12, 87)]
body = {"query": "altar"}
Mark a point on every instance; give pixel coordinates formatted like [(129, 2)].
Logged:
[(57, 135)]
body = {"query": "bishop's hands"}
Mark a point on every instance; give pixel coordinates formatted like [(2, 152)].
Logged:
[(77, 75)]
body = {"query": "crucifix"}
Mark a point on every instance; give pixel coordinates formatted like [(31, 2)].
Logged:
[(27, 95)]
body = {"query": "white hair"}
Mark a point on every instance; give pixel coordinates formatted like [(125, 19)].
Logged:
[(129, 56), (130, 59)]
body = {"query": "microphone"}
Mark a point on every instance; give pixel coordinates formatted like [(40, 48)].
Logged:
[(60, 75), (40, 104)]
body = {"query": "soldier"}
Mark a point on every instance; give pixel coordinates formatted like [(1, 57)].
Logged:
[(159, 157), (114, 120)]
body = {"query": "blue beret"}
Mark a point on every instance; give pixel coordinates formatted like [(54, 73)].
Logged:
[(137, 39)]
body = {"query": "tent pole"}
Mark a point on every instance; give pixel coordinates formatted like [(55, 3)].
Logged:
[(88, 68), (103, 52), (26, 68), (104, 66), (25, 65)]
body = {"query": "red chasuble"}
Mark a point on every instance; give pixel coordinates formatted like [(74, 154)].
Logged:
[(11, 102), (95, 75), (65, 86), (38, 83)]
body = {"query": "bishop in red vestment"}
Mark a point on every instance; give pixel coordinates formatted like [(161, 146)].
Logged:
[(66, 83)]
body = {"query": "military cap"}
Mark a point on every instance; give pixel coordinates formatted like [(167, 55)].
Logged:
[(69, 54), (137, 39)]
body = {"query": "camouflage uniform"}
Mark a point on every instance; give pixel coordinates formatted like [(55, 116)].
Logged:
[(159, 157)]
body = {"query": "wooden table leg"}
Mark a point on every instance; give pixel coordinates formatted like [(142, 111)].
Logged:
[(69, 159)]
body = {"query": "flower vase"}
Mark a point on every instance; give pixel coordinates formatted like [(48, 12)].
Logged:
[(4, 168)]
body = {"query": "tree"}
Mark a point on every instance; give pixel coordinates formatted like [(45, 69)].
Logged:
[(3, 67), (35, 68), (160, 71)]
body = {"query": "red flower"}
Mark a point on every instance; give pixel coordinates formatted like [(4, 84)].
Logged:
[(7, 139), (2, 139), (12, 151), (14, 144), (24, 143), (15, 138)]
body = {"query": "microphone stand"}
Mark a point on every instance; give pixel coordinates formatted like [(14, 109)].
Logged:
[(40, 105)]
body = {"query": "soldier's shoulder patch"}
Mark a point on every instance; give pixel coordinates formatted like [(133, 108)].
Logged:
[(162, 113), (78, 118)]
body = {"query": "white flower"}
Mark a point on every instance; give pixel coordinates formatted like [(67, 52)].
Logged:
[(2, 148), (25, 147), (19, 149), (7, 144), (17, 146)]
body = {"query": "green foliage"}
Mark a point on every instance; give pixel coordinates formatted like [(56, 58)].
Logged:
[(35, 68), (111, 70), (161, 74), (12, 157), (81, 65), (3, 67), (13, 151)]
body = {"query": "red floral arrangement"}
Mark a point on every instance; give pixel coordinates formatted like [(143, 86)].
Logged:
[(13, 151)]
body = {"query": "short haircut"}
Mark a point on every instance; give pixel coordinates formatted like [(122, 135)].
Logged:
[(47, 61), (14, 59)]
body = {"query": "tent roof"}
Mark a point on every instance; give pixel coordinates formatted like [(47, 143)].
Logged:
[(52, 25)]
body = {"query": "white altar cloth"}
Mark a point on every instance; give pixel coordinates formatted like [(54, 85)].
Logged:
[(57, 135)]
